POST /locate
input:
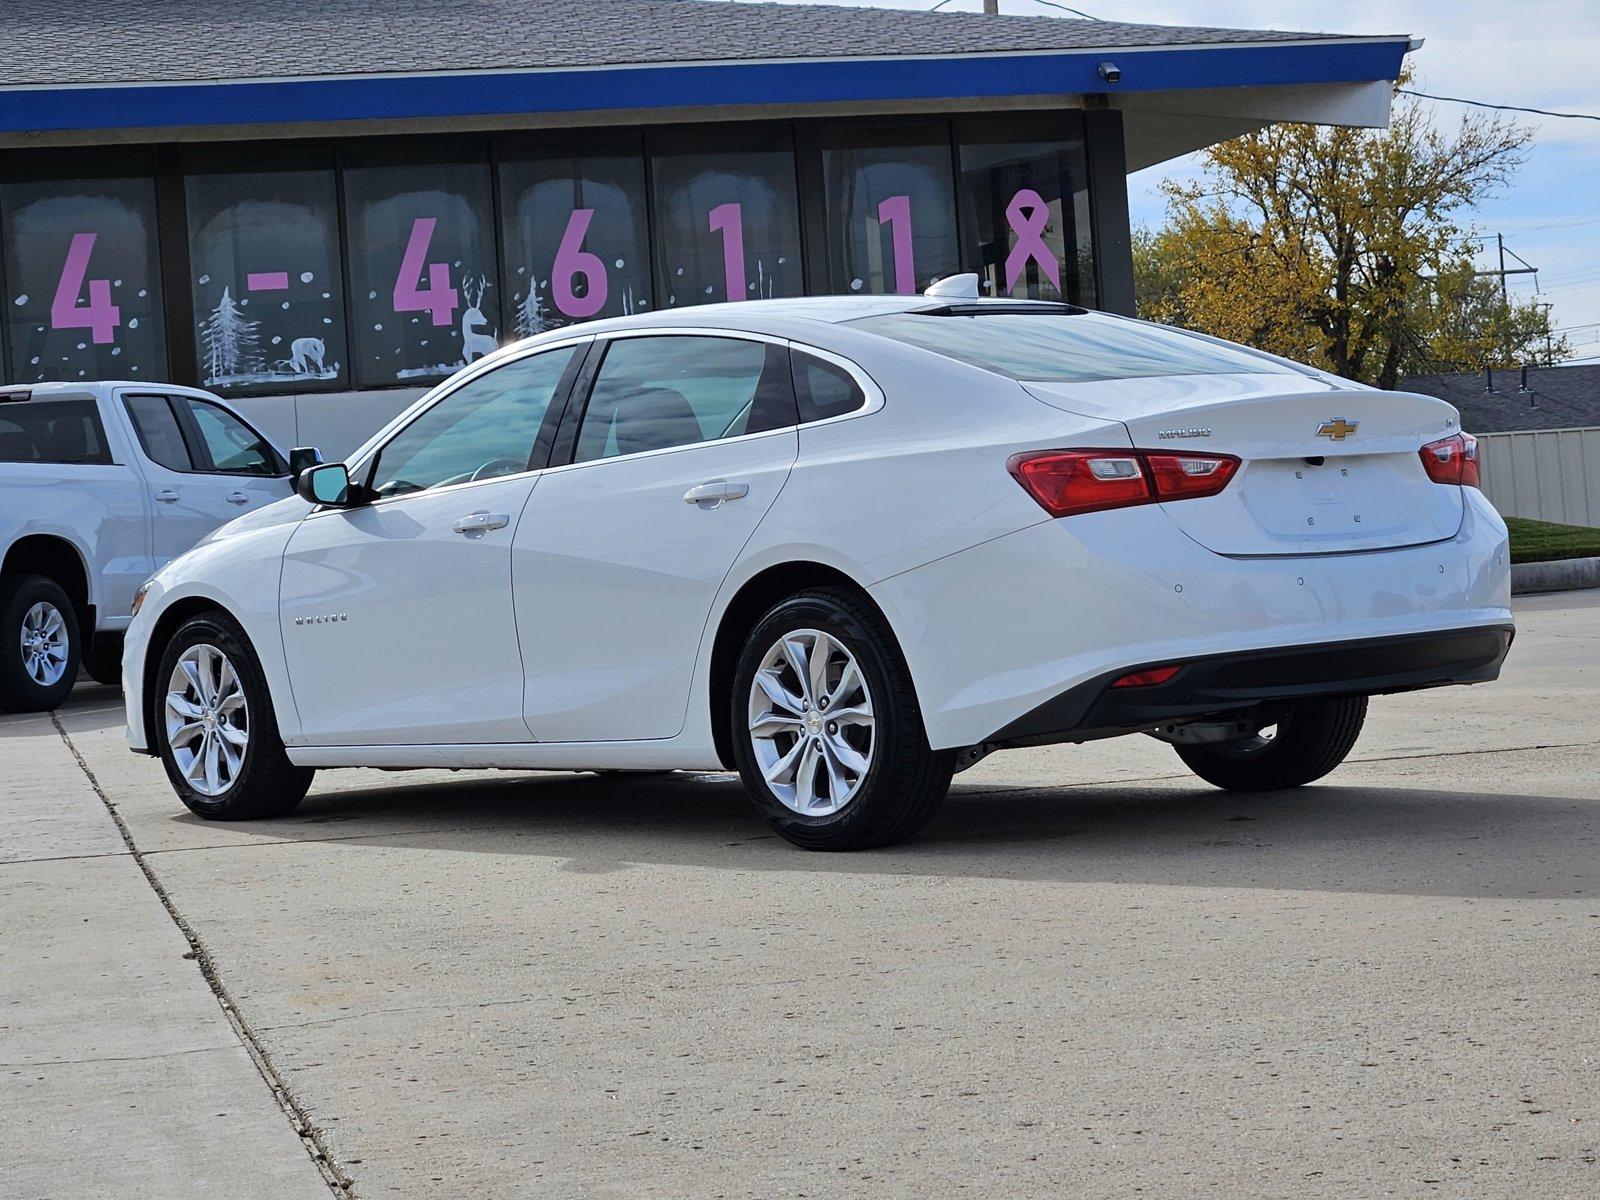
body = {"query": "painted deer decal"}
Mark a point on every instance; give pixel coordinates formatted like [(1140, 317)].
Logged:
[(474, 342)]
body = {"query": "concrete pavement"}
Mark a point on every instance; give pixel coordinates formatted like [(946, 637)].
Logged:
[(1092, 976)]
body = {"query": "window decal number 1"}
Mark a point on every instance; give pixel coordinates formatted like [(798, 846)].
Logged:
[(99, 316), (895, 212), (728, 220), (438, 298)]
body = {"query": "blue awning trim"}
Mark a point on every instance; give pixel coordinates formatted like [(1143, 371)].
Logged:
[(709, 85)]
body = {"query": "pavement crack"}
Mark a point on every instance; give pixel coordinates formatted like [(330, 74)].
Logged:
[(310, 1136), (112, 1058)]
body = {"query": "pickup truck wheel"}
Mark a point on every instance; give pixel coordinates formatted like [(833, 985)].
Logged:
[(215, 728), (38, 644)]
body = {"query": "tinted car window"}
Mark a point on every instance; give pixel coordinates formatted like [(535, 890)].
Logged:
[(823, 389), (1067, 347), (232, 447), (157, 427), (654, 393), (483, 429), (52, 431)]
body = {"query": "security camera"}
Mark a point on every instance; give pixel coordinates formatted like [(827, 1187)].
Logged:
[(1110, 72)]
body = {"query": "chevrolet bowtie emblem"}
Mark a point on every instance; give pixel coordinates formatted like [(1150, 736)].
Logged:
[(1338, 429)]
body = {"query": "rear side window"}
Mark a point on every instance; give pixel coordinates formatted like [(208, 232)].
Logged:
[(822, 389), (1066, 347), (52, 431), (158, 432), (654, 393)]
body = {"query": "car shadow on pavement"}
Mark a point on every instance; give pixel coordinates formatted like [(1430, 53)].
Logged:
[(1338, 838)]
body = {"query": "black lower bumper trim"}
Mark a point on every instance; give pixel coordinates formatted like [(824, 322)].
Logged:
[(1222, 683)]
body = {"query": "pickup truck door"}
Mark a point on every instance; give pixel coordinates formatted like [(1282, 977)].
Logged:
[(203, 466)]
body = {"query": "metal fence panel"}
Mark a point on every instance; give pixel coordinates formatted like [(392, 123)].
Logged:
[(1547, 474)]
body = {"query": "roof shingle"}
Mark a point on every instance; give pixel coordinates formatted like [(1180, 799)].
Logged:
[(1557, 398), (113, 41)]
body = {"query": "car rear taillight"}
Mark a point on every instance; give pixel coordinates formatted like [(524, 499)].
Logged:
[(1452, 460), (1065, 482)]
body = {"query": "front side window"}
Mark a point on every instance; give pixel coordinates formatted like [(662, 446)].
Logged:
[(1066, 347), (654, 393), (226, 443), (484, 429), (52, 431), (157, 427)]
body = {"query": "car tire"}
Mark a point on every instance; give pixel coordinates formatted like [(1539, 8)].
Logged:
[(39, 644), (211, 719), (102, 662), (1313, 737), (872, 779)]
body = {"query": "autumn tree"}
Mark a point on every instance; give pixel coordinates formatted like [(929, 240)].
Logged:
[(1343, 247)]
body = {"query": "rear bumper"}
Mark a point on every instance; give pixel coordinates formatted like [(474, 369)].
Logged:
[(1222, 683), (1005, 628)]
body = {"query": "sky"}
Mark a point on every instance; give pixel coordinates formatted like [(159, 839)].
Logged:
[(1522, 52)]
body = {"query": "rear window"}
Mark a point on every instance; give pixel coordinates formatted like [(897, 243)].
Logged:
[(1064, 347), (52, 431)]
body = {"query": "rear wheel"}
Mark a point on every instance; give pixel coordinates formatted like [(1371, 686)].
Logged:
[(39, 644), (215, 728), (827, 731), (1310, 739)]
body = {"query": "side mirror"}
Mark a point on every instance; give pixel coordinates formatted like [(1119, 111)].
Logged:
[(302, 458), (326, 483)]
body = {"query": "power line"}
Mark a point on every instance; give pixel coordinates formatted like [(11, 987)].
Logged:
[(1543, 112)]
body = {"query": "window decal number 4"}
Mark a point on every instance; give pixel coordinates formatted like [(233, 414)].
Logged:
[(438, 298), (99, 316)]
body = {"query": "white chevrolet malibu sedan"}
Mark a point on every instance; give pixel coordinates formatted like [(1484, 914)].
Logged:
[(846, 546)]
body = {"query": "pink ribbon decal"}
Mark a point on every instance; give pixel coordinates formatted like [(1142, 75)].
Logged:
[(1028, 216)]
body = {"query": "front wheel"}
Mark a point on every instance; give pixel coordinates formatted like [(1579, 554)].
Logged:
[(827, 731), (214, 725), (1310, 738)]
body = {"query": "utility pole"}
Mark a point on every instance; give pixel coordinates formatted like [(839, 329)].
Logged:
[(992, 7)]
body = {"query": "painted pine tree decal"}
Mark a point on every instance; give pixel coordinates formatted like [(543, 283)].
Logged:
[(232, 343)]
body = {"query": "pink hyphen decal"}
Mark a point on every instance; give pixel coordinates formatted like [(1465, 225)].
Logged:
[(267, 281), (438, 298), (895, 212), (100, 316), (1028, 215), (728, 220), (572, 260)]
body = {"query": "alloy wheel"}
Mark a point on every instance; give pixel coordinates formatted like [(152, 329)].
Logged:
[(207, 719), (811, 722), (44, 644)]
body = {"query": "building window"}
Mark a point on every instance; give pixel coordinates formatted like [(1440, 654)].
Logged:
[(727, 217), (1025, 206), (265, 276), (889, 203), (83, 278), (424, 296), (576, 235)]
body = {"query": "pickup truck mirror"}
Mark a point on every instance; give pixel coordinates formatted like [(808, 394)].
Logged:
[(326, 483), (303, 457)]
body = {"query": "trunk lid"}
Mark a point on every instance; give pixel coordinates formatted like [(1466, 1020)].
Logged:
[(1368, 492)]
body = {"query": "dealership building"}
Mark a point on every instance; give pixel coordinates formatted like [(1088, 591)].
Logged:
[(317, 210)]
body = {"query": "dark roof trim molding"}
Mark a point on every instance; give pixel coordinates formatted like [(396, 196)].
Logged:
[(39, 109)]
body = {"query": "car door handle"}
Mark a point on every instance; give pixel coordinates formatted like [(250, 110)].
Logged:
[(167, 497), (237, 498), (480, 523), (709, 495)]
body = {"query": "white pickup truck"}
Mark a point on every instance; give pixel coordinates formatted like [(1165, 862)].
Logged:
[(100, 485)]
